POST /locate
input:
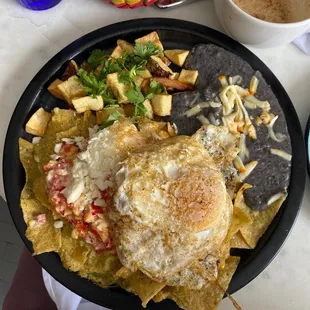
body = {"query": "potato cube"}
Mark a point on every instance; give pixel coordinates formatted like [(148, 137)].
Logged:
[(54, 90), (117, 53), (125, 46), (178, 57), (72, 88), (129, 109), (88, 103), (38, 122), (188, 77), (149, 109), (151, 37), (103, 115), (118, 89), (162, 104), (146, 74), (71, 70)]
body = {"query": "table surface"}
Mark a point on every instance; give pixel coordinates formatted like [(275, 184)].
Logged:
[(29, 39)]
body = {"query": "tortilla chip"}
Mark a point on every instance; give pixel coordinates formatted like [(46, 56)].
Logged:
[(261, 221), (62, 120), (209, 297), (44, 237), (40, 191), (141, 285), (26, 155), (124, 273), (73, 252), (101, 268), (238, 242)]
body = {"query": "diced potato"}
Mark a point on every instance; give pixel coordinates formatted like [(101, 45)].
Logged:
[(151, 37), (149, 112), (162, 104), (188, 77), (129, 109), (72, 88), (139, 80), (178, 57), (71, 70), (173, 84), (145, 86), (103, 115), (157, 67), (54, 90), (146, 74), (119, 89), (125, 46), (117, 52), (174, 76), (88, 103), (38, 122)]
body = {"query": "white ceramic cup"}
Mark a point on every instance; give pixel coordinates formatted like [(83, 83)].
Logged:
[(250, 30)]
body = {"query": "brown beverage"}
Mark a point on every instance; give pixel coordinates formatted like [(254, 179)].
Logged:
[(275, 11)]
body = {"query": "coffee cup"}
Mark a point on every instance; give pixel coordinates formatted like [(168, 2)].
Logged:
[(250, 30)]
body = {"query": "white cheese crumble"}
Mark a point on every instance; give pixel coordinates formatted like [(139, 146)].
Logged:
[(94, 169)]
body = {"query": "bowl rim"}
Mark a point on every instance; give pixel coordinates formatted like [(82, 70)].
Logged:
[(290, 25)]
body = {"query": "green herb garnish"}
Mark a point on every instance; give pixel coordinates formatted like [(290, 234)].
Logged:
[(96, 57), (111, 119)]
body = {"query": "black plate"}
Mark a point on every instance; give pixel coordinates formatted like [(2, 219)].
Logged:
[(174, 34)]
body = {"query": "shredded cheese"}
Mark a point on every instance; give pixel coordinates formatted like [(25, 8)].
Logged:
[(275, 198), (281, 153), (278, 137), (253, 85), (249, 169), (203, 120)]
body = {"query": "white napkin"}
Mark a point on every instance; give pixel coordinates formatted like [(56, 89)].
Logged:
[(303, 42), (64, 298)]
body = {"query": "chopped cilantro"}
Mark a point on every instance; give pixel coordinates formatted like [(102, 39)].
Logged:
[(134, 95), (111, 119), (96, 57), (92, 85), (145, 51)]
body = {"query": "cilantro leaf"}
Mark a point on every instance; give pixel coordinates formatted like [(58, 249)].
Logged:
[(96, 57), (111, 119), (95, 87), (127, 77), (108, 67), (145, 51), (92, 85), (140, 109), (134, 95)]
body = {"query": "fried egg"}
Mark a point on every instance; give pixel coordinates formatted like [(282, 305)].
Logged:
[(170, 209)]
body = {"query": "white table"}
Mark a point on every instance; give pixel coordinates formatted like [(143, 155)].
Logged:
[(29, 39)]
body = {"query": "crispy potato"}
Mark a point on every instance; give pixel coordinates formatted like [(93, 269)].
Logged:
[(103, 115), (175, 84), (129, 109), (162, 104), (178, 57), (125, 46), (146, 74), (119, 89), (38, 122), (71, 70), (117, 52), (157, 67), (188, 77), (88, 103), (145, 86), (72, 88), (54, 90), (149, 112), (151, 37)]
